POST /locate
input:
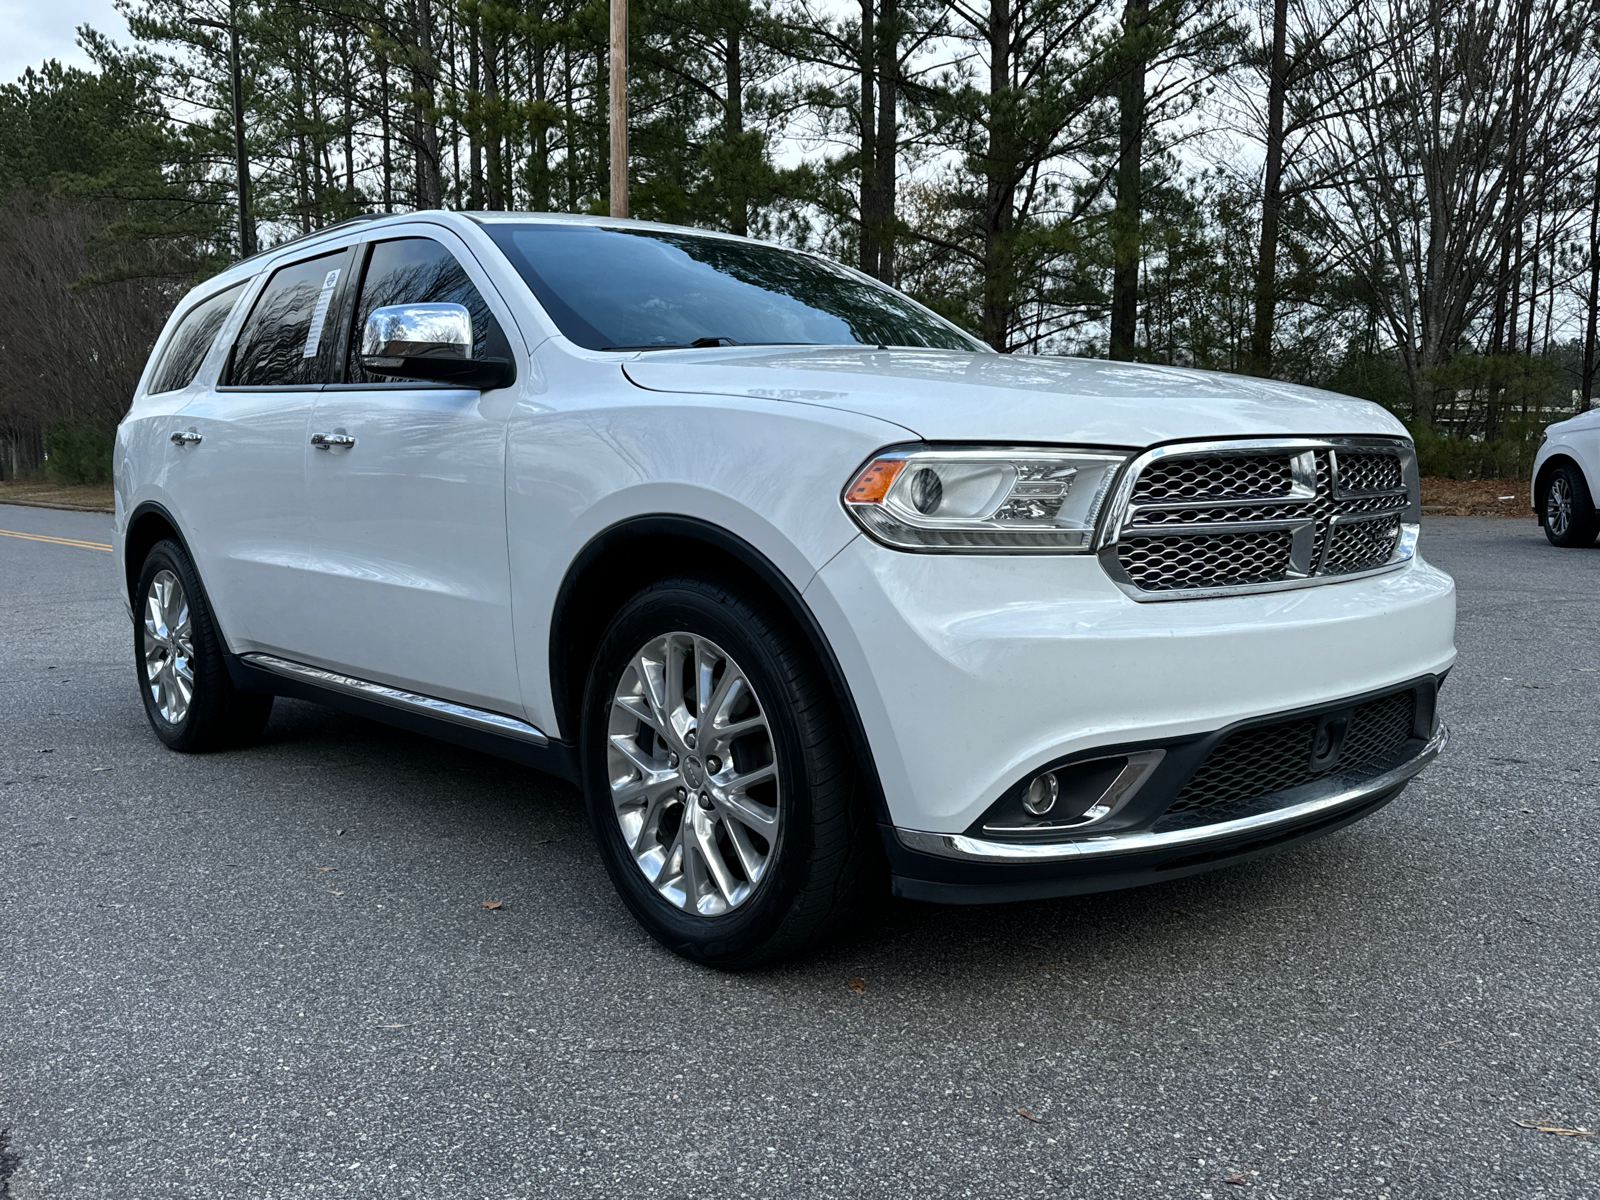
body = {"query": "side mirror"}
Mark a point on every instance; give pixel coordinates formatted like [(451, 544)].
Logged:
[(431, 343)]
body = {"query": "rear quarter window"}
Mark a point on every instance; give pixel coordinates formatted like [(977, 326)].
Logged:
[(192, 340)]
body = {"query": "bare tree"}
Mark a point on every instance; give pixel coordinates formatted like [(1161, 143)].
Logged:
[(71, 352), (1424, 181)]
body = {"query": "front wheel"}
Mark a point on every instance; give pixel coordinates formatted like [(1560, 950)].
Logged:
[(719, 782), (1568, 508), (189, 699)]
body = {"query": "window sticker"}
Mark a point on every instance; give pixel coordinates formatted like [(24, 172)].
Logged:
[(319, 315)]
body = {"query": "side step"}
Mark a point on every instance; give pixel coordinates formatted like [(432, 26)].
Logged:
[(445, 710)]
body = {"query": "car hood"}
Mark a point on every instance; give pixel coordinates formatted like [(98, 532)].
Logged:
[(944, 395)]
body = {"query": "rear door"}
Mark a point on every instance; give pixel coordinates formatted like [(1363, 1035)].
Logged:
[(238, 473), (408, 568)]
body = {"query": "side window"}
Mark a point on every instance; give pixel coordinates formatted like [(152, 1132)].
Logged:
[(191, 341), (282, 339), (420, 271)]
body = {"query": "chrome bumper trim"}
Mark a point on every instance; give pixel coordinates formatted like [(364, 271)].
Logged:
[(1348, 794), (445, 710)]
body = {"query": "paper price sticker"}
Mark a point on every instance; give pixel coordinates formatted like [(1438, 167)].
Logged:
[(319, 315)]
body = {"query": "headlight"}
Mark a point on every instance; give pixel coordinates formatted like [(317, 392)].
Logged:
[(983, 499)]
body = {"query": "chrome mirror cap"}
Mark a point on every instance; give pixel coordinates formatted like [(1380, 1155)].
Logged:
[(400, 331), (429, 343)]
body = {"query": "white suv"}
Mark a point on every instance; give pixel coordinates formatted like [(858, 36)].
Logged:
[(801, 584)]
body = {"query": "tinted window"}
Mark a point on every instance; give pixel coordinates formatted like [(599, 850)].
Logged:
[(191, 341), (616, 289), (282, 339), (420, 271)]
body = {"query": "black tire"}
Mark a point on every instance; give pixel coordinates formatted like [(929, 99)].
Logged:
[(824, 858), (1567, 509), (218, 715)]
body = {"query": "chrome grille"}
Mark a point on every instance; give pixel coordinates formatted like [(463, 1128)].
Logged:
[(1243, 516), (1215, 477), (1242, 772), (1368, 473), (1206, 561), (1356, 545)]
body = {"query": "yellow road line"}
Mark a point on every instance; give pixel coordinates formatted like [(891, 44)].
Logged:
[(44, 537)]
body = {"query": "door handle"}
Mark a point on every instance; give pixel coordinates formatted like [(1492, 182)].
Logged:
[(185, 437), (327, 441)]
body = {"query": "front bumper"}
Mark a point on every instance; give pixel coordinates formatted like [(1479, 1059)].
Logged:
[(971, 673), (962, 869)]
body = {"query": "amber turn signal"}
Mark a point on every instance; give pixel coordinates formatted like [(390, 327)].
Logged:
[(874, 480)]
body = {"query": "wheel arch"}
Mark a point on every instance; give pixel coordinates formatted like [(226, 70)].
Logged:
[(1547, 469), (627, 556), (148, 524)]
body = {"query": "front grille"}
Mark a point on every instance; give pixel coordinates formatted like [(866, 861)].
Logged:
[(1368, 473), (1245, 770), (1247, 516), (1357, 545), (1178, 563), (1215, 478)]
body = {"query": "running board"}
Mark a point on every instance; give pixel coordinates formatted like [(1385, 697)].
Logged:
[(456, 714)]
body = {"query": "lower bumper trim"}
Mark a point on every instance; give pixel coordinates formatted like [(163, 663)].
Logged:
[(1324, 799)]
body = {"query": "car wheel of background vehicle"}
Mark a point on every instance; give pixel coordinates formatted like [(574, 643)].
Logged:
[(1569, 516), (719, 780), (190, 701)]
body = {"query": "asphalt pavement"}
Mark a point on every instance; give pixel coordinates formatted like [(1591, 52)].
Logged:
[(271, 973)]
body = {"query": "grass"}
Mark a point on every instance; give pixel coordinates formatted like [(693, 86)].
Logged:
[(95, 498)]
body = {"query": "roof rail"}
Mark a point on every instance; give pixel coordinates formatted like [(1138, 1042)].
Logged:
[(358, 219)]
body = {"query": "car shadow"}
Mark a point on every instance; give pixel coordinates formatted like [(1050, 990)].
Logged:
[(1241, 918)]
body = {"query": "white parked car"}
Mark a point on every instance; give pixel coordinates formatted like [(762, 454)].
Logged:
[(1563, 500), (801, 584)]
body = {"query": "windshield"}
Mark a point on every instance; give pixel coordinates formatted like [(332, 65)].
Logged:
[(649, 289)]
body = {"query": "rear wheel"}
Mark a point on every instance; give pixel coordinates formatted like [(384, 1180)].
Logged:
[(719, 782), (189, 699), (1568, 508)]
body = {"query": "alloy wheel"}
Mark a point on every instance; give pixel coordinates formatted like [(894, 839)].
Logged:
[(168, 647), (1558, 506), (692, 766)]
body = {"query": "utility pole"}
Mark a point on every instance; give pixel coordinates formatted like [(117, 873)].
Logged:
[(241, 162), (619, 108)]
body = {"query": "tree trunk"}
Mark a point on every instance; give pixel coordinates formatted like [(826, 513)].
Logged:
[(733, 130), (1266, 291), (539, 168), (999, 184), (475, 121), (1592, 332), (429, 185), (496, 192), (869, 140), (887, 140), (1125, 218), (387, 136)]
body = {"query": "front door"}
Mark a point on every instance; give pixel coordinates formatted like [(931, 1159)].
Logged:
[(408, 567)]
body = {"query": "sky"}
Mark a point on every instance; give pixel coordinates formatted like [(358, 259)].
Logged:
[(36, 30)]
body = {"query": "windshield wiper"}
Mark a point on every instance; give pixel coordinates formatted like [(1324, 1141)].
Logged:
[(705, 343)]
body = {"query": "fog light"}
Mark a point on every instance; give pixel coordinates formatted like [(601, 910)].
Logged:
[(1041, 795)]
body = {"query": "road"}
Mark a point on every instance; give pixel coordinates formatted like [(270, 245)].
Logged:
[(271, 974)]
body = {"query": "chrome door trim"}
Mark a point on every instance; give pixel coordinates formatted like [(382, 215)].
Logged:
[(456, 714), (1346, 793)]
